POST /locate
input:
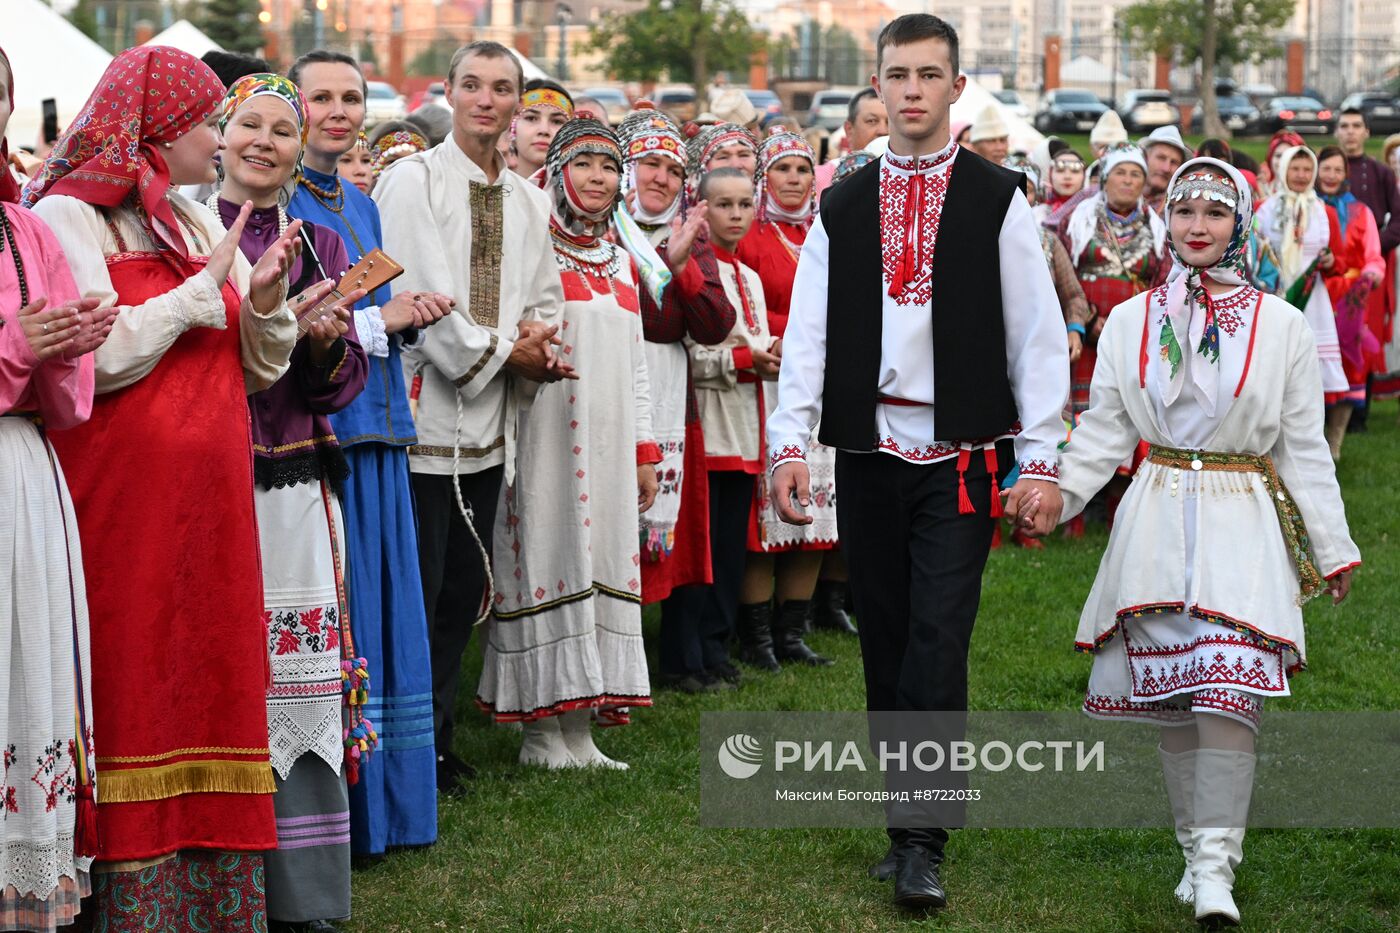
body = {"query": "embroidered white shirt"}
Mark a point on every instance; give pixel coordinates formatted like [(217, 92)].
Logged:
[(1036, 351)]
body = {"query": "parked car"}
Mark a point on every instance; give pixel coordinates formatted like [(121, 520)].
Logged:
[(1068, 110), (1144, 109), (612, 99), (829, 109), (434, 95), (383, 103), (1012, 101), (1382, 110), (1302, 114), (765, 102), (1236, 111), (678, 100)]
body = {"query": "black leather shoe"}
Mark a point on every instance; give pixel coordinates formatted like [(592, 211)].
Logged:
[(727, 672), (916, 882), (829, 608), (787, 635), (756, 636), (883, 870), (451, 772), (713, 683)]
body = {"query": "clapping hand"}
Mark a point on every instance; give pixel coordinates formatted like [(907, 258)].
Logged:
[(71, 329), (415, 309), (533, 355), (683, 236)]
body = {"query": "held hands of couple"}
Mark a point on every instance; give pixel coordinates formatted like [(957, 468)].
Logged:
[(1034, 505), (533, 356), (70, 330)]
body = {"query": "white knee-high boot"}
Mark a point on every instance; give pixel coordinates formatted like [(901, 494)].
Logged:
[(544, 745), (578, 736), (1179, 773), (1224, 784)]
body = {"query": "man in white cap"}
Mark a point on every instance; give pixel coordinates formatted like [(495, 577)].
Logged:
[(1106, 132), (990, 136), (1165, 152)]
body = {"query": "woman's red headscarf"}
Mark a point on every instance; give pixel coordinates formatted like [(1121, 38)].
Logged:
[(9, 188), (148, 95)]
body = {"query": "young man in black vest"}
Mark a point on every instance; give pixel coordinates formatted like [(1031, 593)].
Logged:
[(925, 279)]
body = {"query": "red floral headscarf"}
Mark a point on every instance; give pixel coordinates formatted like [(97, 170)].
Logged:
[(148, 95), (9, 188)]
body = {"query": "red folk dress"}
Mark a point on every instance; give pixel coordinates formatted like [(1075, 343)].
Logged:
[(162, 483), (771, 249)]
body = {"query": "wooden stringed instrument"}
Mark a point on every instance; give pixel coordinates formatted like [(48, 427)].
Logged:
[(374, 269)]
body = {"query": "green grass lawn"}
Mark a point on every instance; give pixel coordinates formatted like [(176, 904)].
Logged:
[(529, 849)]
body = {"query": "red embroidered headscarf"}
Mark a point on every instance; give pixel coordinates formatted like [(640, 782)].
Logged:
[(9, 188), (149, 95)]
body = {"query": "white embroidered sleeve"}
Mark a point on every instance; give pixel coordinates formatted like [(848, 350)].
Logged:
[(1105, 434), (140, 333), (1304, 464), (803, 368), (1037, 357), (369, 324)]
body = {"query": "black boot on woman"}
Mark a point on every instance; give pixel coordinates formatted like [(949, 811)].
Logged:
[(829, 607), (787, 635), (756, 636)]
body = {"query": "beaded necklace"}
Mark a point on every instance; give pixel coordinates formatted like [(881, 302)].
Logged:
[(600, 259), (7, 236), (282, 220), (333, 201), (794, 250)]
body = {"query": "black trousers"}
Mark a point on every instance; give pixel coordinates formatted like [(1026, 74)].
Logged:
[(454, 578), (915, 569), (698, 621)]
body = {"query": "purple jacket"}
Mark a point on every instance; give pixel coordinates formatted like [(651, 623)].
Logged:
[(292, 437), (1374, 185)]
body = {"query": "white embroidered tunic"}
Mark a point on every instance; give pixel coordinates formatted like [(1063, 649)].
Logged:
[(1233, 568), (487, 245), (1035, 341)]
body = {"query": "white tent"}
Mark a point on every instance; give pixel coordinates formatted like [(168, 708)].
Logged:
[(51, 58), (532, 71), (975, 98), (186, 37)]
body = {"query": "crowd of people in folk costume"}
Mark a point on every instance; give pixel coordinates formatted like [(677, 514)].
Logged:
[(567, 406)]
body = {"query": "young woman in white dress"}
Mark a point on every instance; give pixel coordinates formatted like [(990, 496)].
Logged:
[(1231, 523)]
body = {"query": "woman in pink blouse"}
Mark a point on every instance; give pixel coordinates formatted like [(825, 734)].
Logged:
[(46, 379)]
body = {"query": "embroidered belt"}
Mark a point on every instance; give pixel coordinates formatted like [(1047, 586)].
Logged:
[(1290, 520), (901, 402)]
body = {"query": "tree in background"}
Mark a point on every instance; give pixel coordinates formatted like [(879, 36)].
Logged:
[(1217, 33), (830, 54), (684, 40), (233, 24), (83, 16)]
